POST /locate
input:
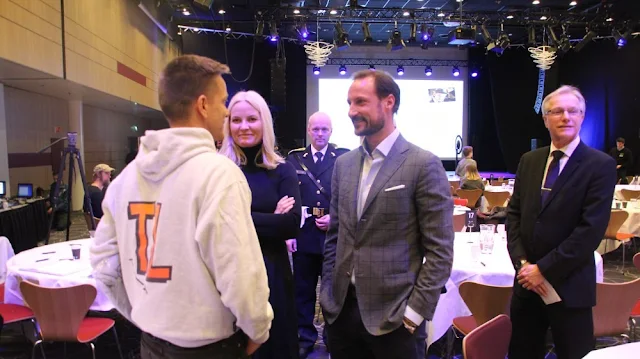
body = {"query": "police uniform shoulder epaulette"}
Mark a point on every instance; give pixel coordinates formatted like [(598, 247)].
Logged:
[(301, 149), (338, 151)]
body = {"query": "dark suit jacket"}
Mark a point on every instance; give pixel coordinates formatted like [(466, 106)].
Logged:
[(311, 239), (407, 216), (560, 236)]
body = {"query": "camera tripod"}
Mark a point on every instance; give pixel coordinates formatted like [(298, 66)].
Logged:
[(69, 153)]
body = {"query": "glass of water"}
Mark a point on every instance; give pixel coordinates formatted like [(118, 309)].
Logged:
[(486, 238)]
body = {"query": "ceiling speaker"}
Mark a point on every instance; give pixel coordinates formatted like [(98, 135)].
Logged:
[(204, 3)]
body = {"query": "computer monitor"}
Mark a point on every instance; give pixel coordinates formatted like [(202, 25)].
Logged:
[(25, 190), (3, 188)]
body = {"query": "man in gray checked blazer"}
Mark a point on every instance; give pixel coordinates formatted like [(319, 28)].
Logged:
[(390, 208)]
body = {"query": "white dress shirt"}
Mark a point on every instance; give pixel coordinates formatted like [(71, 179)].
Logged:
[(314, 151), (372, 163), (567, 150)]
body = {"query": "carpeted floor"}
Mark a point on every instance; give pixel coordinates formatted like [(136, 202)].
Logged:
[(14, 345)]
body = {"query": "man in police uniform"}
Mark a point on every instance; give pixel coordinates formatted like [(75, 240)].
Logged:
[(314, 166)]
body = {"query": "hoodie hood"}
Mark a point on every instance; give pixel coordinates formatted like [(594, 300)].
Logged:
[(161, 152)]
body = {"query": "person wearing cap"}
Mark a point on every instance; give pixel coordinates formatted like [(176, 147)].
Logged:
[(101, 179)]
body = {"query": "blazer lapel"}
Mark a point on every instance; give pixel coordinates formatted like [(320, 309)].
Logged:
[(390, 165), (539, 168), (353, 177), (567, 171)]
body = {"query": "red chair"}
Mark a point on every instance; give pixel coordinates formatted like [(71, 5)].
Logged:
[(488, 341), (12, 313), (460, 201), (60, 313)]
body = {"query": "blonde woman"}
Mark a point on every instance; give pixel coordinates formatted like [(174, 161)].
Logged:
[(249, 141), (472, 180)]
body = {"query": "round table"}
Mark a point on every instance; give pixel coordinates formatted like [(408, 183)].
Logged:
[(494, 269), (52, 266), (624, 351)]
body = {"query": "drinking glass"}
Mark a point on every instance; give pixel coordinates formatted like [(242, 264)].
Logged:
[(486, 238)]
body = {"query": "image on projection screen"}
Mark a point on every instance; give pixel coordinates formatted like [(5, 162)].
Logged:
[(430, 114)]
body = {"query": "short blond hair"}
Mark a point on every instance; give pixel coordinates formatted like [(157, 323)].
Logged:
[(562, 90), (270, 158)]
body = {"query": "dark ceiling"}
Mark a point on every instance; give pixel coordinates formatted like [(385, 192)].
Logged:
[(242, 16)]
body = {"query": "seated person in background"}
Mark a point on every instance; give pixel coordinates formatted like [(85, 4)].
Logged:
[(467, 152), (472, 180), (101, 179), (59, 204)]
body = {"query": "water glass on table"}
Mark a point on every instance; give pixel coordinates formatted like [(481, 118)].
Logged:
[(75, 250), (486, 238)]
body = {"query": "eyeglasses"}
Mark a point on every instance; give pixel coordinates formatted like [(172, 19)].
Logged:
[(556, 112), (320, 130)]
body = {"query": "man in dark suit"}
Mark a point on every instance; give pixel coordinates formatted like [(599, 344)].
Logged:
[(314, 165), (557, 216), (389, 246), (624, 160)]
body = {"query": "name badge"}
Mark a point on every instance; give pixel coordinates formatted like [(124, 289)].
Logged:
[(621, 155), (300, 172)]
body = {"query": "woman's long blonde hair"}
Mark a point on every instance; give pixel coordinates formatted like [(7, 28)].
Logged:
[(270, 158), (472, 172)]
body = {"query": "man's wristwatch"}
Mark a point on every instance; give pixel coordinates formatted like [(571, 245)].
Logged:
[(521, 263), (409, 325)]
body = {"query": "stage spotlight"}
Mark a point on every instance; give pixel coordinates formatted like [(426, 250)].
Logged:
[(316, 70), (342, 70), (400, 70), (455, 71), (341, 40), (474, 73), (428, 71), (621, 39), (372, 68), (395, 41), (413, 29), (366, 32), (273, 31), (303, 31), (585, 40), (532, 36), (426, 32), (259, 29), (502, 42)]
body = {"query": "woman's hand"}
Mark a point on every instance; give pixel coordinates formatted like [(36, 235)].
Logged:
[(285, 204)]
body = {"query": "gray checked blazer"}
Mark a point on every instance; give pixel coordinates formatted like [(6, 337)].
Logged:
[(407, 216)]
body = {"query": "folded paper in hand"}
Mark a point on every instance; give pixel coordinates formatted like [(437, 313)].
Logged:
[(552, 296), (305, 215)]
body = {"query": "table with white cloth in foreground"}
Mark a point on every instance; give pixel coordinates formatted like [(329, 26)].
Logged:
[(493, 269), (52, 266), (624, 351)]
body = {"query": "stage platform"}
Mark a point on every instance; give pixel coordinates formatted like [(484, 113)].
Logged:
[(496, 174)]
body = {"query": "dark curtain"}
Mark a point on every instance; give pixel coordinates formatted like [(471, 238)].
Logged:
[(608, 77), (289, 121)]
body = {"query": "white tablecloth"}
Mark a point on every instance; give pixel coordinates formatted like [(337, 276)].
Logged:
[(497, 270), (624, 351), (51, 267)]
